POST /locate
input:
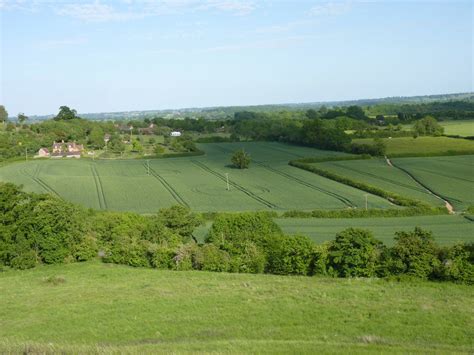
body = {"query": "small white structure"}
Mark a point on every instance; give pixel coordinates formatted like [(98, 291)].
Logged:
[(43, 153), (175, 134)]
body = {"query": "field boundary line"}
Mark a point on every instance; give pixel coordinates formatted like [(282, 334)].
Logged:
[(234, 184), (99, 188), (167, 186)]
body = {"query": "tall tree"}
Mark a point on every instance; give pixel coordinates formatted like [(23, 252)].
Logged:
[(65, 113), (22, 117), (3, 114)]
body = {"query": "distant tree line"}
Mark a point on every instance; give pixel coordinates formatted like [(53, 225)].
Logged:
[(41, 229)]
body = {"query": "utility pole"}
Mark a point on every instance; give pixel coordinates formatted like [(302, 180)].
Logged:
[(227, 180), (366, 202)]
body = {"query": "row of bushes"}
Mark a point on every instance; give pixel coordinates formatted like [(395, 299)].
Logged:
[(38, 229), (433, 154), (362, 213), (392, 197)]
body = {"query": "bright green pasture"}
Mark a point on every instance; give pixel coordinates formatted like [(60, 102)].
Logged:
[(463, 128), (101, 308), (451, 177), (459, 128), (198, 182), (423, 145), (376, 172), (447, 229)]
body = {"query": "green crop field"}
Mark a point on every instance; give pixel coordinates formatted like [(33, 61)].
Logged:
[(449, 177), (197, 182), (104, 308), (423, 145), (446, 229), (378, 173)]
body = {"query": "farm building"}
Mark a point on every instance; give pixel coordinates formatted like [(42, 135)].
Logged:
[(175, 134), (43, 153), (68, 150)]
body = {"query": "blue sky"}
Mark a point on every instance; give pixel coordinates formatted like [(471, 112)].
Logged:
[(118, 55)]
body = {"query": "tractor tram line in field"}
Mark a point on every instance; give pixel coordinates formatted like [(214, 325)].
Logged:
[(381, 178), (234, 184), (167, 186), (344, 200), (35, 177), (448, 201), (99, 188)]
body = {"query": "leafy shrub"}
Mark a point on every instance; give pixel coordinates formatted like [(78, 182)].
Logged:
[(211, 258), (180, 220), (355, 252), (289, 255), (185, 257), (250, 260), (414, 253), (232, 232), (457, 264), (161, 257)]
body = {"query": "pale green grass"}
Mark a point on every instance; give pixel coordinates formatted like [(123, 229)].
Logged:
[(459, 128), (98, 308), (463, 128), (423, 145), (446, 229)]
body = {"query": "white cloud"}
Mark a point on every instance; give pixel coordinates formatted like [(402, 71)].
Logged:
[(236, 7), (23, 5), (97, 12), (332, 8), (104, 11), (59, 43)]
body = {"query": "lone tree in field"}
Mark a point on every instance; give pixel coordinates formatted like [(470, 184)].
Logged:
[(241, 159)]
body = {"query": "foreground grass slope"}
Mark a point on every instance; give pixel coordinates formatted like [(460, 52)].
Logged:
[(96, 307)]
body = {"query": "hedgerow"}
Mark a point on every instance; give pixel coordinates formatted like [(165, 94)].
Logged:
[(40, 229)]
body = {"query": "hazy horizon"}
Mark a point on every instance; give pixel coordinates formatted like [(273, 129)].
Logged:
[(112, 56)]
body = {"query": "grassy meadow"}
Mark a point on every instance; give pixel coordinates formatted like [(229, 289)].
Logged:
[(423, 145), (196, 182), (97, 308)]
